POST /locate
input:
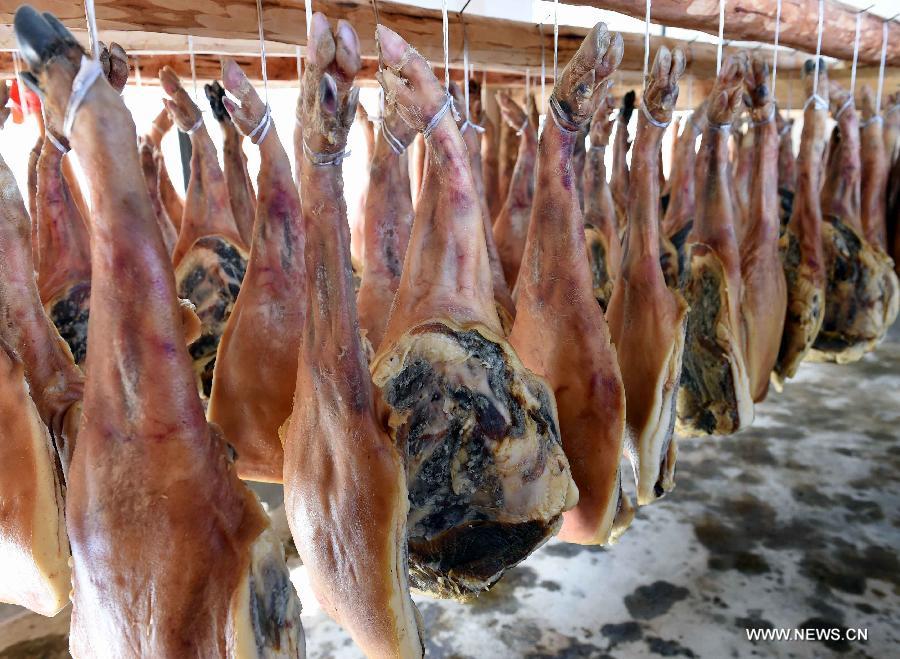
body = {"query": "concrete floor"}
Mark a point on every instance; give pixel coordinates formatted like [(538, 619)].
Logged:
[(794, 523)]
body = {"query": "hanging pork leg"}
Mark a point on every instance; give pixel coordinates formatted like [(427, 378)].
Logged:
[(151, 481), (560, 333), (646, 318), (210, 256), (787, 168), (679, 217), (151, 179), (39, 390), (267, 318), (619, 176), (764, 302), (511, 227), (601, 231), (506, 308), (388, 222), (860, 279), (240, 188), (64, 274), (801, 243), (714, 397), (173, 202), (345, 485), (488, 479)]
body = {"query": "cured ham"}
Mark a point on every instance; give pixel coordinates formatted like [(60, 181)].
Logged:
[(64, 271), (357, 221), (679, 216), (560, 332), (801, 243), (601, 230), (55, 383), (764, 302), (33, 543), (619, 177), (511, 225), (875, 162), (487, 476), (268, 315), (506, 308), (388, 221), (210, 256), (646, 318), (860, 281), (240, 188), (489, 151), (34, 548), (150, 168), (787, 167), (714, 397), (151, 480), (344, 478), (172, 201)]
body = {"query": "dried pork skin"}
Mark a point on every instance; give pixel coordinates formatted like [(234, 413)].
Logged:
[(511, 224), (487, 475), (55, 383), (151, 481), (210, 276), (764, 299), (266, 319), (446, 299), (34, 549), (646, 317), (64, 253), (800, 244), (714, 397), (345, 483), (559, 333)]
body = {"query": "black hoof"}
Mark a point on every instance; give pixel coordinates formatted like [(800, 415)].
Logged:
[(40, 37), (215, 93)]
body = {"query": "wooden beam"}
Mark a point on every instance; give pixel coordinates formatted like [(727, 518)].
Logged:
[(494, 44), (754, 20)]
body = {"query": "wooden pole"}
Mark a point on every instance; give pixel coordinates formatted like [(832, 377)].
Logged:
[(754, 20)]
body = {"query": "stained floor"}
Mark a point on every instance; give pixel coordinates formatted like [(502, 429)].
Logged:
[(794, 523)]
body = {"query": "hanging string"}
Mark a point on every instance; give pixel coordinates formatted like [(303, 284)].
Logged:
[(856, 51), (815, 95), (466, 70), (299, 63), (308, 12), (137, 73), (884, 41), (647, 42), (446, 44), (543, 65), (775, 54), (262, 48), (91, 15), (193, 66), (721, 36), (527, 84), (555, 40)]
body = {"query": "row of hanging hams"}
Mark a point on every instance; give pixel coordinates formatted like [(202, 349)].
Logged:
[(438, 400)]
